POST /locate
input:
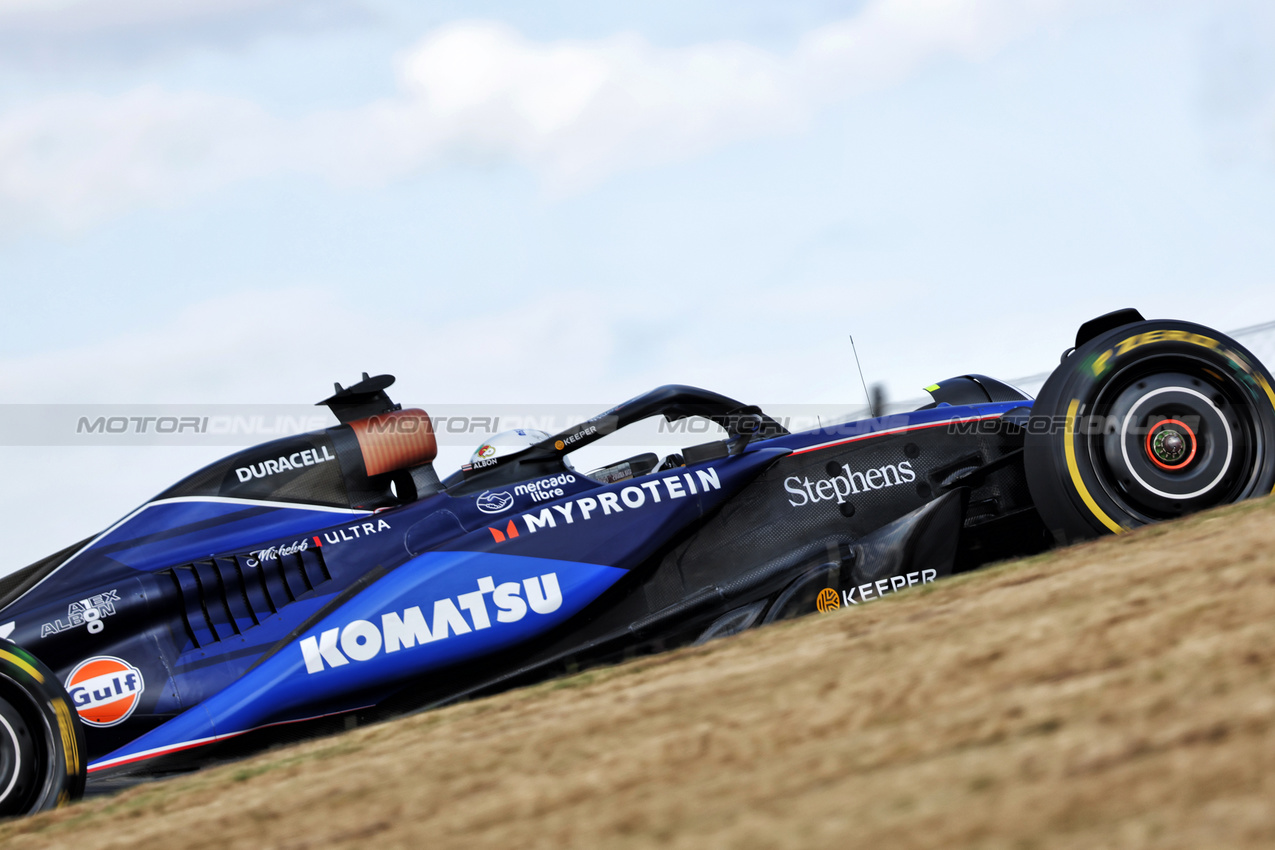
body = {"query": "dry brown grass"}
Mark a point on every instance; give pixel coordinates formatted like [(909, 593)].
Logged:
[(1118, 694)]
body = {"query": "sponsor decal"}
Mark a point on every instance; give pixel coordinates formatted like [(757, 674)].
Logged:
[(274, 553), (1101, 362), (805, 492), (499, 536), (86, 612), (566, 442), (876, 589), (495, 503), (622, 471), (636, 497), (485, 451), (105, 690), (352, 532), (545, 489), (284, 463), (363, 640), (339, 535), (827, 600)]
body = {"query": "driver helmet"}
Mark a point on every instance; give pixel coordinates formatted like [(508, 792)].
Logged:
[(508, 443)]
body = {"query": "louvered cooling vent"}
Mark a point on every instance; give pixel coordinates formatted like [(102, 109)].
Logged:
[(227, 596)]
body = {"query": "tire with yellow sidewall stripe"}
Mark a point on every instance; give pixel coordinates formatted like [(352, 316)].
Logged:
[(41, 739), (1147, 422)]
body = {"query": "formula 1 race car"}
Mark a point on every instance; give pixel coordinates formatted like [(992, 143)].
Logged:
[(332, 578)]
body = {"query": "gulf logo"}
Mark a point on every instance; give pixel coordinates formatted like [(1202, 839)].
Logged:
[(105, 690)]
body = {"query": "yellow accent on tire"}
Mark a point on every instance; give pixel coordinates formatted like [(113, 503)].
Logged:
[(23, 665), (1270, 395), (1070, 450), (66, 727)]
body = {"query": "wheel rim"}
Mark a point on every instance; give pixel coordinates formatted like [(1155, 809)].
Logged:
[(18, 752), (1177, 436), (10, 758)]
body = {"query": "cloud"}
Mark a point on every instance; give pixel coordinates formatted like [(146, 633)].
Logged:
[(576, 111), (80, 158), (66, 34), (289, 345), (96, 15), (573, 111)]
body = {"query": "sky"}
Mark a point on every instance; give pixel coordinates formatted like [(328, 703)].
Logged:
[(239, 202)]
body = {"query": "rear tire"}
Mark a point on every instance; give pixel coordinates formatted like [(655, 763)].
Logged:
[(1147, 422), (41, 739)]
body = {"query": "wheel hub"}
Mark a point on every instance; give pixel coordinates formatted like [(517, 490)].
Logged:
[(1169, 447), (1171, 444)]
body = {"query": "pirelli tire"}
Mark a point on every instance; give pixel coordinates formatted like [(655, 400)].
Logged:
[(1147, 422), (41, 739)]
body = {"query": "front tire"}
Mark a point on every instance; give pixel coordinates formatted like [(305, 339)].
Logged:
[(41, 740), (1147, 422)]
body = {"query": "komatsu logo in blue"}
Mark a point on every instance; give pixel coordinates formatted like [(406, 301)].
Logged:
[(363, 640)]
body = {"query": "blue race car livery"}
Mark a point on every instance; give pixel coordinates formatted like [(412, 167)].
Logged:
[(332, 578)]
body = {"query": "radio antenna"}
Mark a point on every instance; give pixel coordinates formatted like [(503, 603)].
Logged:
[(866, 394)]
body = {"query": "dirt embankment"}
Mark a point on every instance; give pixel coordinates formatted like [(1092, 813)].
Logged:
[(1119, 694)]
